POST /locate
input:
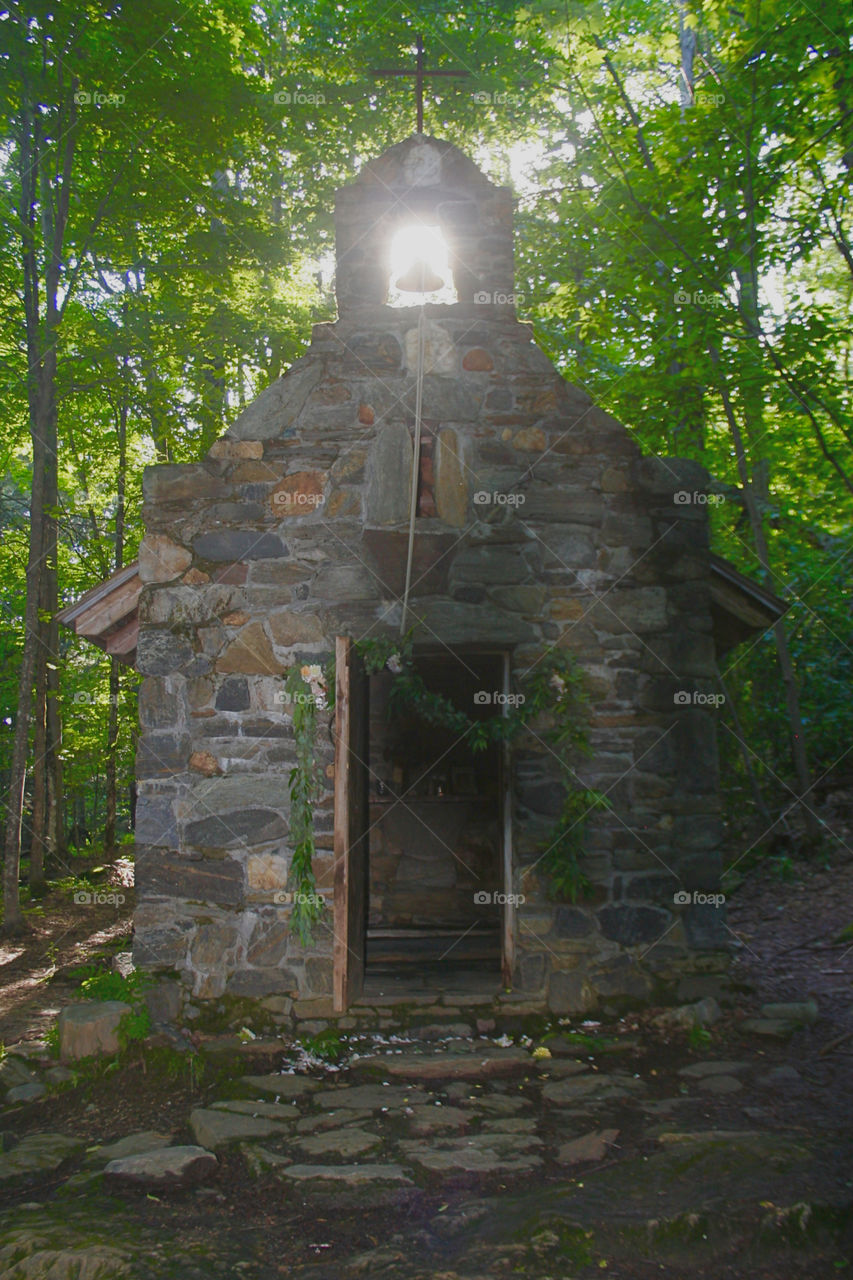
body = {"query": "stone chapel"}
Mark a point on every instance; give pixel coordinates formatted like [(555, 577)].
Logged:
[(533, 521)]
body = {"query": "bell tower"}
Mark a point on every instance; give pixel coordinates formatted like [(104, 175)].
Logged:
[(429, 182)]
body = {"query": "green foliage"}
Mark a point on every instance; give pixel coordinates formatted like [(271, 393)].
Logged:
[(699, 1037), (97, 983), (327, 1045), (308, 905)]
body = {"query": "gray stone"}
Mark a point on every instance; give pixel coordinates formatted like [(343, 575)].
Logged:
[(494, 1061), (213, 1129), (573, 922), (239, 544), (161, 754), (803, 1012), (276, 409), (632, 925), (135, 1144), (233, 695), (591, 1146), (240, 827), (332, 1119), (345, 1143), (38, 1153), (720, 1084), (159, 652), (494, 1104), (351, 1175), (569, 993), (479, 1153), (389, 476), (90, 1028), (281, 1086), (281, 1112), (374, 1097), (165, 1167), (424, 1120), (179, 482), (600, 1086), (699, 1070), (14, 1072), (213, 880), (26, 1093)]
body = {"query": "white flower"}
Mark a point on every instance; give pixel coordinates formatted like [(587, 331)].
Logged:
[(557, 682), (395, 664)]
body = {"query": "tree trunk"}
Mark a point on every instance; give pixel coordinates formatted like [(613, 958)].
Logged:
[(783, 652)]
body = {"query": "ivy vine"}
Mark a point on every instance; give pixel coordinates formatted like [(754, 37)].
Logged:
[(305, 693)]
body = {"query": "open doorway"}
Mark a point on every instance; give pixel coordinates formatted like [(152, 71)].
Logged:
[(421, 833), (435, 864)]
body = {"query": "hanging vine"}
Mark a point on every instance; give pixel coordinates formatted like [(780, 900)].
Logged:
[(305, 693)]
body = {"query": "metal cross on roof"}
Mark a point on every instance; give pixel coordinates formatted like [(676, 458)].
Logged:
[(420, 74)]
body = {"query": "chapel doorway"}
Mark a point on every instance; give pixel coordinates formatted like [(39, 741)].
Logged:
[(427, 864)]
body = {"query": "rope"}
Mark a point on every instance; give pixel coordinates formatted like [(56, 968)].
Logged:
[(416, 466)]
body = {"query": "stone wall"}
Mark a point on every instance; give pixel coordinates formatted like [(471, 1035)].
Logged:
[(551, 530)]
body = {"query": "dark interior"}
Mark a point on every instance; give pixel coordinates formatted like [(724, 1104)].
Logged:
[(435, 825)]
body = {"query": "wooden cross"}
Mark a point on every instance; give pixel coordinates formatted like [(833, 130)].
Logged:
[(420, 75)]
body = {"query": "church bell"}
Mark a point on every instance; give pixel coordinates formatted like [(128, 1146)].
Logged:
[(419, 278)]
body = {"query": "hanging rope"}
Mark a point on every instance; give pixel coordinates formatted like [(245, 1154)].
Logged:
[(416, 466)]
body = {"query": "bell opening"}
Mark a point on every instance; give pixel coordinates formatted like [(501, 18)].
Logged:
[(420, 269)]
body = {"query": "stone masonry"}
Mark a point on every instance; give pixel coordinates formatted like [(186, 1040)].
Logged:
[(550, 529)]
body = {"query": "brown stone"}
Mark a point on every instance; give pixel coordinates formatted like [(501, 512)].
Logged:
[(195, 577), (161, 559), (235, 619), (532, 439), (451, 490), (237, 449), (255, 473), (477, 360), (288, 628), (299, 494), (204, 762), (568, 609), (366, 414), (250, 654), (344, 502), (232, 574)]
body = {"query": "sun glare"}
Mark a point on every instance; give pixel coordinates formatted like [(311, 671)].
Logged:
[(414, 247)]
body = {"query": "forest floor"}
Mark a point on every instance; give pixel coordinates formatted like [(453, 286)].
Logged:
[(638, 1149)]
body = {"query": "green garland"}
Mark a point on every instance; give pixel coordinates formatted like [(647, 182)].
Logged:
[(554, 694), (555, 691)]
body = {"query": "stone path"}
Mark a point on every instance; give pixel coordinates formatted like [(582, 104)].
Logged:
[(532, 1159)]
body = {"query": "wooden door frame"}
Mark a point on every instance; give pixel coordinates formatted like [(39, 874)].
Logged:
[(348, 952)]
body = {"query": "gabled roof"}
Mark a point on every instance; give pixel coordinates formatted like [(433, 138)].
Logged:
[(108, 614)]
